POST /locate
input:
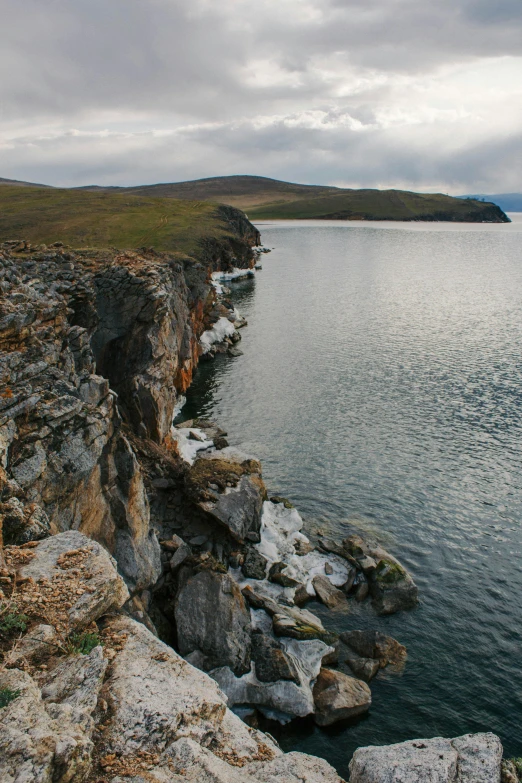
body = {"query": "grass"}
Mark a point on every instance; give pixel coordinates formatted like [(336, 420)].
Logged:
[(7, 695), (82, 643), (98, 219), (12, 622)]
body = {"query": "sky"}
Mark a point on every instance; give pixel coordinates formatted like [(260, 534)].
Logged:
[(357, 93)]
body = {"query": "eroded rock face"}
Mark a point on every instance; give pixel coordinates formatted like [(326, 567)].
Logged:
[(473, 758), (212, 618)]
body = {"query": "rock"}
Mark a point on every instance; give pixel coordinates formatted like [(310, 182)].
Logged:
[(473, 758), (362, 591), (328, 569), (304, 548), (277, 575), (271, 662), (374, 644), (70, 567), (283, 699), (40, 641), (254, 565), (294, 768), (34, 746), (76, 681), (337, 697), (301, 596), (363, 668), (173, 544), (367, 564), (355, 546), (287, 620), (328, 594), (180, 556), (391, 586), (233, 351), (206, 604), (239, 501)]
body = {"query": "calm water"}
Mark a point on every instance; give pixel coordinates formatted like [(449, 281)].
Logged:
[(381, 382)]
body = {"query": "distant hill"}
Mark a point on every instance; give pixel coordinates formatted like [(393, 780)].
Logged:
[(22, 184), (270, 199), (84, 219), (265, 198), (509, 202)]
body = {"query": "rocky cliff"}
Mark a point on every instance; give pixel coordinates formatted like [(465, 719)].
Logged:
[(137, 556)]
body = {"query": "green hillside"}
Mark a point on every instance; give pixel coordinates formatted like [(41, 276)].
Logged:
[(265, 198), (98, 219)]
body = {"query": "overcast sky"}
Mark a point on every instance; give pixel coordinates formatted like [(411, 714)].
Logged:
[(360, 93)]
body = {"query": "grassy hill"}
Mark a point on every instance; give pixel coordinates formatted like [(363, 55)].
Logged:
[(265, 198), (99, 219)]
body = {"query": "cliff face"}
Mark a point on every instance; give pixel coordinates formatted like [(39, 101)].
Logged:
[(96, 348)]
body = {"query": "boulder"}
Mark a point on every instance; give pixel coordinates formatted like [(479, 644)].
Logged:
[(337, 697), (211, 617), (71, 581), (374, 644), (473, 758), (254, 564), (238, 500), (328, 594), (294, 768), (77, 681)]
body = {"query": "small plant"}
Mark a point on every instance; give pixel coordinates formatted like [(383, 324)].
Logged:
[(12, 622), (517, 763), (82, 643), (7, 695)]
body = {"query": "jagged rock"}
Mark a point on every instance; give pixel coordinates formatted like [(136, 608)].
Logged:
[(277, 575), (71, 568), (34, 746), (180, 556), (207, 604), (254, 564), (328, 594), (337, 697), (271, 662), (473, 758), (238, 502), (374, 644)]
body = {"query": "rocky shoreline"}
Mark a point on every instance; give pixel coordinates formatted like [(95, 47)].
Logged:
[(148, 583)]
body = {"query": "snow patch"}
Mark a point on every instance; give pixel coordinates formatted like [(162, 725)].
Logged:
[(222, 328), (188, 447)]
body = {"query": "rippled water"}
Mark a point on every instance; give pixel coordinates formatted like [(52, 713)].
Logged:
[(381, 381)]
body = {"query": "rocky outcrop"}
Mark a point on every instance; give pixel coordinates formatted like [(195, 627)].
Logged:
[(131, 709), (337, 697), (473, 758)]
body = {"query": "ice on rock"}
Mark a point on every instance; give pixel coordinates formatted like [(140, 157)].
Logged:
[(188, 447), (235, 274), (280, 529), (221, 329)]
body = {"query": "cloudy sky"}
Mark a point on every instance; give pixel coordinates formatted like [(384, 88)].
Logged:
[(360, 93)]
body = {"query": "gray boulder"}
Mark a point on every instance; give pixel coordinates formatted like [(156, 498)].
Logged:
[(374, 644), (254, 564), (337, 697), (212, 618), (473, 758), (271, 662)]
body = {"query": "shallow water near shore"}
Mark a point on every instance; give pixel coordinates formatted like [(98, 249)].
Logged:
[(381, 386)]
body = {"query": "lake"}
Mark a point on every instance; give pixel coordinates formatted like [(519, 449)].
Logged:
[(381, 386)]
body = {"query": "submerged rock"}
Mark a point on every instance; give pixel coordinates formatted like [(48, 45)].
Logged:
[(391, 586), (374, 644), (337, 697), (473, 758), (212, 618)]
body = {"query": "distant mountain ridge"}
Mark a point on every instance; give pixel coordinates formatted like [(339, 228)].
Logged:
[(270, 199), (509, 202)]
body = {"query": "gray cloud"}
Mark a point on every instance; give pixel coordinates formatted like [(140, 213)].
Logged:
[(380, 93)]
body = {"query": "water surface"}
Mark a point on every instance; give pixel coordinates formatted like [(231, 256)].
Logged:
[(381, 382)]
